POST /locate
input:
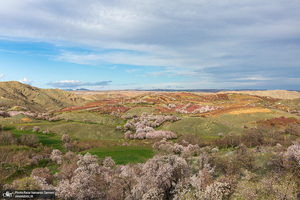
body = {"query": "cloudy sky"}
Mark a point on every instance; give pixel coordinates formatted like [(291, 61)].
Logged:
[(151, 44)]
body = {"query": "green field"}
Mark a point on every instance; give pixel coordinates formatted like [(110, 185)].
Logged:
[(50, 140), (249, 120), (206, 128), (209, 127), (92, 117), (124, 154), (80, 131), (141, 110), (87, 131)]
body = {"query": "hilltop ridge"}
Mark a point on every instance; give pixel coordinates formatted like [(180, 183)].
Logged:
[(14, 93), (15, 96), (277, 94)]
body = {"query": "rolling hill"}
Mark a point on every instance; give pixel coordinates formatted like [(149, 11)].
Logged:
[(13, 93), (277, 94)]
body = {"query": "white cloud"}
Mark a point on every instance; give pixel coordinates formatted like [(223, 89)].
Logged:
[(221, 40), (1, 75), (193, 85), (26, 81), (76, 83), (254, 78)]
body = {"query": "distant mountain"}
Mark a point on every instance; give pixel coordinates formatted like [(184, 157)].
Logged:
[(13, 93), (83, 89), (80, 89)]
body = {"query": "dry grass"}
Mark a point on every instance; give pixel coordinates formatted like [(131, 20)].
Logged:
[(249, 111), (26, 120), (278, 94)]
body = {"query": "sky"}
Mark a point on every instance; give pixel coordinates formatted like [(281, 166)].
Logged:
[(151, 44)]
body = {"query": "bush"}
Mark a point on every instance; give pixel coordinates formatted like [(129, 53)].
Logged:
[(36, 129), (66, 138), (293, 129), (27, 183), (56, 156), (108, 162), (8, 138), (44, 173), (30, 140)]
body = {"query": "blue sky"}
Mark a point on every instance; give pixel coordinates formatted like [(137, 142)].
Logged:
[(151, 44)]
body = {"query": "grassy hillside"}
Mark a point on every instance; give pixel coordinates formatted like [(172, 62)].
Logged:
[(141, 110), (200, 126), (236, 121), (85, 131), (226, 123), (14, 93), (278, 94), (91, 117)]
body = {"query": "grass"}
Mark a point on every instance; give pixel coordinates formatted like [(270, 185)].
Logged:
[(124, 154), (82, 131), (17, 174), (43, 162), (249, 120), (14, 120), (50, 140), (15, 147), (141, 110), (92, 117), (206, 128), (78, 131)]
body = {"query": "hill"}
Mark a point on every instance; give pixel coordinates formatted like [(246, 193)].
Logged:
[(13, 93), (277, 94)]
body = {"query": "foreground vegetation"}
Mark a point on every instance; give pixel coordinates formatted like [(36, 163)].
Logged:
[(156, 146)]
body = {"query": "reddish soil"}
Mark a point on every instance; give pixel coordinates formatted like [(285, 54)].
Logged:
[(192, 108), (223, 111), (279, 121), (216, 97), (75, 108), (119, 109)]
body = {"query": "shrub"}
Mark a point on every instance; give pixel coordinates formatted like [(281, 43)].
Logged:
[(108, 162), (30, 140), (8, 138), (66, 138), (44, 173), (56, 156), (293, 129), (36, 129), (27, 183), (46, 131)]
